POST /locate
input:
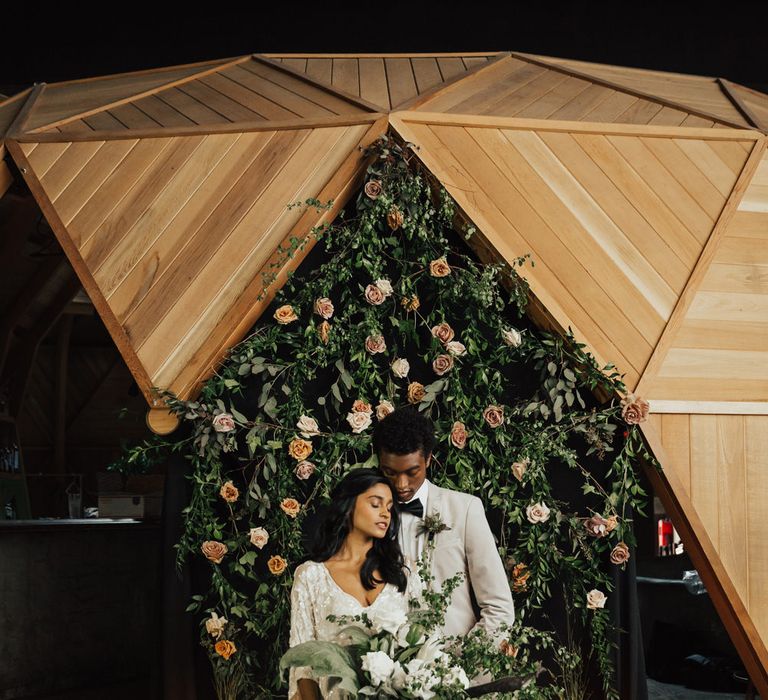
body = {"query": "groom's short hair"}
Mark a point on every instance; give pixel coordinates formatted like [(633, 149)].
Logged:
[(403, 431)]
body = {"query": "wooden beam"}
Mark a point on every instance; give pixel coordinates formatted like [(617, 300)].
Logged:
[(60, 402), (132, 98), (545, 125), (667, 338), (331, 89), (705, 558), (727, 87), (448, 85), (629, 91), (22, 116), (464, 54), (198, 130)]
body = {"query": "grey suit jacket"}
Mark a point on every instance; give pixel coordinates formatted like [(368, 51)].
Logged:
[(469, 547)]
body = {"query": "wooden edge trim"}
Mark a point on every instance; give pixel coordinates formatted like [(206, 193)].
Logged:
[(677, 132), (705, 558), (330, 89), (235, 324), (684, 301), (727, 87), (21, 95), (740, 408), (138, 95), (117, 332), (450, 84), (198, 130), (467, 54), (630, 91), (22, 116)]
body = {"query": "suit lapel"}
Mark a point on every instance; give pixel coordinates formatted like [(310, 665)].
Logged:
[(435, 502)]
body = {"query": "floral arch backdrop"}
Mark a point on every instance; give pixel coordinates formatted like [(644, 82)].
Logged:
[(398, 315)]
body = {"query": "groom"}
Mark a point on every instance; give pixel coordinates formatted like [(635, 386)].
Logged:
[(403, 441)]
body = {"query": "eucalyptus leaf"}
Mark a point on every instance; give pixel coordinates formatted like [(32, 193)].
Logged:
[(326, 659)]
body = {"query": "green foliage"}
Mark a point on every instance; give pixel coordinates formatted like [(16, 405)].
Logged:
[(285, 371)]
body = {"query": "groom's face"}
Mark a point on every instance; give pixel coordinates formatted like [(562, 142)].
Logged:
[(406, 473)]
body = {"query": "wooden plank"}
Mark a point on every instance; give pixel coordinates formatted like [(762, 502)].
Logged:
[(209, 239), (346, 75), (299, 64), (741, 408), (714, 363), (19, 124), (732, 153), (400, 79), (606, 234), (511, 94), (730, 334), (550, 102), (609, 110), (41, 160), (373, 82), (708, 161), (133, 117), (675, 434), (613, 184), (450, 67), (193, 109), (219, 102), (748, 279), (502, 217), (104, 121), (756, 486), (128, 275), (114, 189), (196, 312), (92, 176), (704, 473), (427, 73), (320, 69), (584, 103), (706, 389), (98, 246), (250, 97), (732, 517), (747, 224), (163, 113), (743, 250), (715, 306), (670, 116), (66, 168)]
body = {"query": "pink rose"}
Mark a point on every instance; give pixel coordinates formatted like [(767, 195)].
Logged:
[(375, 344), (223, 423), (442, 364), (259, 537), (456, 348), (519, 468), (373, 189), (596, 599), (360, 406), (634, 409), (384, 409), (373, 295), (459, 435), (443, 332), (439, 268), (324, 307), (214, 551), (494, 415), (620, 553), (597, 526), (358, 421), (304, 469), (537, 512)]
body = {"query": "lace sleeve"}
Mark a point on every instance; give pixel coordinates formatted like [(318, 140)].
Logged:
[(302, 626)]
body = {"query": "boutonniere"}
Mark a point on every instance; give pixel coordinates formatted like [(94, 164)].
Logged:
[(431, 525)]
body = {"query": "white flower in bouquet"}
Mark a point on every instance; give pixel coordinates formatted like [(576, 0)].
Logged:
[(420, 679), (399, 677), (308, 426), (432, 651), (359, 421), (385, 286), (387, 620), (214, 625), (400, 368), (456, 676), (401, 638), (379, 666)]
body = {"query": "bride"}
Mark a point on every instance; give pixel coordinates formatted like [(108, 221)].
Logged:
[(355, 566)]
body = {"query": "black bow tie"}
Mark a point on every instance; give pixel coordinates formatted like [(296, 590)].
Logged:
[(414, 507)]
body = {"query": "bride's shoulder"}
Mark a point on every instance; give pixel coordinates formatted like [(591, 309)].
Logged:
[(310, 570)]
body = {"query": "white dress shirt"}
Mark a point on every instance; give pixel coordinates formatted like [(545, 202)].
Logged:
[(411, 543)]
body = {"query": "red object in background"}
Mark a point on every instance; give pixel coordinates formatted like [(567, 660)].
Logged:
[(665, 536)]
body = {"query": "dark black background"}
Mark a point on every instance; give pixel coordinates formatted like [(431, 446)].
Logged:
[(726, 40)]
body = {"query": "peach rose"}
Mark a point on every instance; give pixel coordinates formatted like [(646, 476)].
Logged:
[(324, 331), (373, 189), (229, 492), (373, 295), (259, 537), (384, 409), (459, 435), (277, 564), (411, 303), (494, 415), (290, 506), (537, 512), (360, 406), (634, 409), (375, 344), (456, 348), (214, 551), (385, 286), (225, 648), (611, 522), (304, 470), (520, 575), (308, 426), (512, 337), (519, 468), (214, 625), (394, 218), (439, 268), (442, 364), (597, 526), (415, 392), (443, 332), (223, 423), (299, 449), (359, 420), (285, 314), (596, 599), (324, 307), (400, 368), (508, 649), (620, 553)]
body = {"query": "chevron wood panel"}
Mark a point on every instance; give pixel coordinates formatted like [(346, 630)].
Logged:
[(697, 92), (720, 351), (614, 223), (721, 460), (385, 80), (172, 231)]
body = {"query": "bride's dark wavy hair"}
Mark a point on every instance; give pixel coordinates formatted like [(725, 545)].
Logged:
[(385, 555)]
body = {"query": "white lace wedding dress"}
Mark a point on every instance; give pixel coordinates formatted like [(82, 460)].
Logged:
[(315, 595)]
